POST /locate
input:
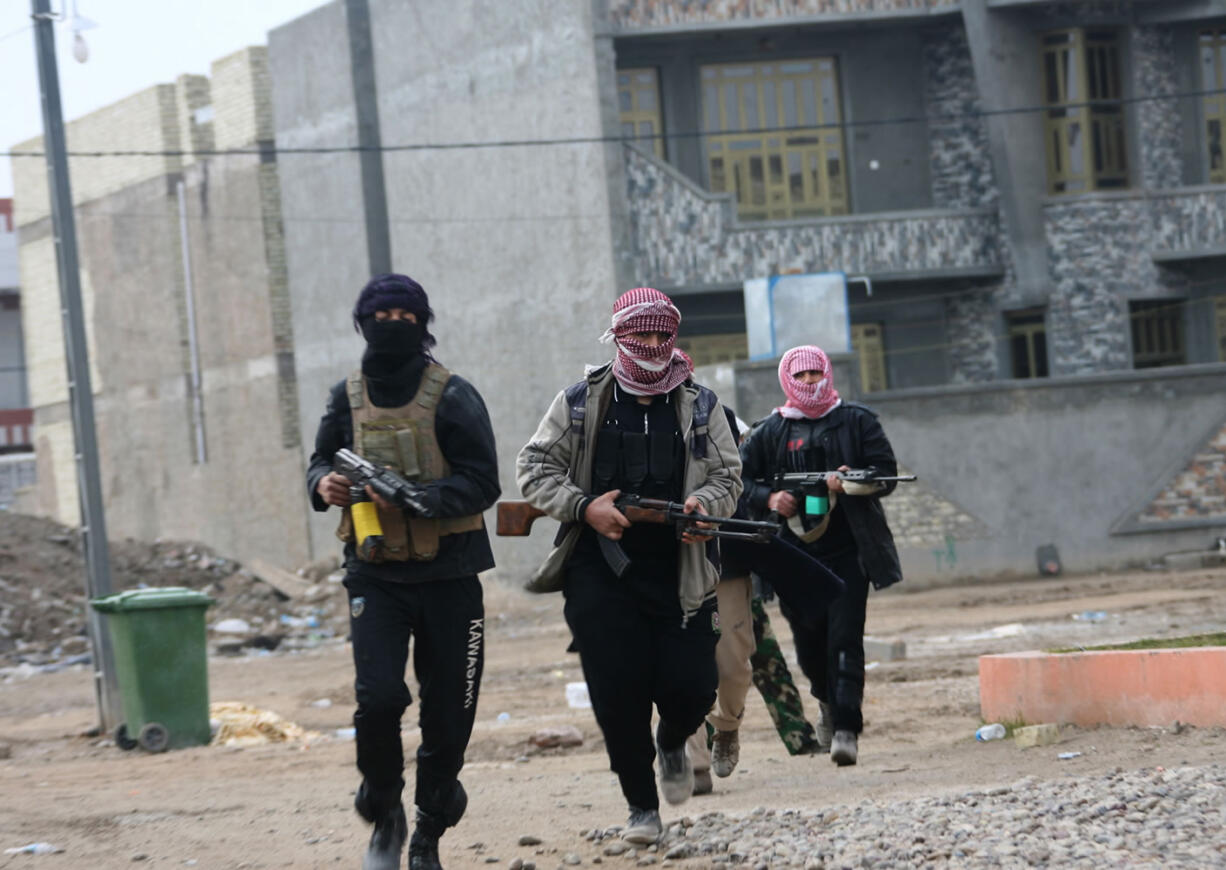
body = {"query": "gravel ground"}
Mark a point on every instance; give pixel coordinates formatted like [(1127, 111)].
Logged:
[(1153, 818)]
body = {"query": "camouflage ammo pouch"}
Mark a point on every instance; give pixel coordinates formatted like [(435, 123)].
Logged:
[(403, 439)]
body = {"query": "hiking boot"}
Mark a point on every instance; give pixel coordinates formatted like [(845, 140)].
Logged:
[(676, 774), (843, 748), (824, 729), (423, 852), (387, 842), (725, 752), (644, 827), (702, 782)]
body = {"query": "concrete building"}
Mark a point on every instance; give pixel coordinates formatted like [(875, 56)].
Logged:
[(16, 419), (184, 286), (1035, 190)]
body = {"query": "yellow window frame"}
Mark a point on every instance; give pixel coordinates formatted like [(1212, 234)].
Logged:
[(1028, 325), (1158, 337), (638, 107), (1213, 78), (1085, 144), (767, 138), (868, 341), (1219, 305)]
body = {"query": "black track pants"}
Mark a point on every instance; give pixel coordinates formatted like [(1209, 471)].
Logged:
[(831, 650), (446, 619), (633, 658)]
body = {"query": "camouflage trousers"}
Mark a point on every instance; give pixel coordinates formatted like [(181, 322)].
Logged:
[(774, 682)]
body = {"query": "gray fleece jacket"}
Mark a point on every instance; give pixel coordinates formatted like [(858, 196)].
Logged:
[(554, 473)]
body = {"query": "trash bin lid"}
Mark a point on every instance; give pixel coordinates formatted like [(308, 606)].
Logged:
[(151, 599)]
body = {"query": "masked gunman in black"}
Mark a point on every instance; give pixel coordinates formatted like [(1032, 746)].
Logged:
[(417, 579)]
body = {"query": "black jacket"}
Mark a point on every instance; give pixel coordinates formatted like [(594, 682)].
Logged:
[(850, 435), (462, 426)]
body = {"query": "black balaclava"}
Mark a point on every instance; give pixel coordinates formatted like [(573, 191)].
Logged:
[(396, 350)]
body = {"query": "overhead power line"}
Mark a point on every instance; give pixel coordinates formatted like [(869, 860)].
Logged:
[(597, 140)]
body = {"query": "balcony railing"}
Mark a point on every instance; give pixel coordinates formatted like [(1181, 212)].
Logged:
[(684, 235)]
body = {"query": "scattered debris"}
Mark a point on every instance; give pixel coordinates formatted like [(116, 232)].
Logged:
[(44, 609), (34, 849), (242, 725), (1065, 756), (562, 735), (1036, 735)]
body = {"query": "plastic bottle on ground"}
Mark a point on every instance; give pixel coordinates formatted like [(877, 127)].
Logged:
[(995, 731)]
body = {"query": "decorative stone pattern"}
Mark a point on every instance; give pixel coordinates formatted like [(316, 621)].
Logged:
[(1193, 219), (960, 162), (1099, 255), (922, 519), (973, 323), (1087, 11), (1196, 492), (1154, 71), (642, 14), (684, 235)]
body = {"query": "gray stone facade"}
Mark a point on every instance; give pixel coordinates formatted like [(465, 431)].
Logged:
[(1189, 221), (686, 236), (960, 162), (1102, 254), (1159, 126), (645, 14), (972, 320)]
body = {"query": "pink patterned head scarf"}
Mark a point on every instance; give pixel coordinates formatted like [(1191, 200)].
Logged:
[(807, 400), (640, 369)]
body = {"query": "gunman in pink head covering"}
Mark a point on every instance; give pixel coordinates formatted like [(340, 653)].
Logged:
[(638, 425), (840, 523)]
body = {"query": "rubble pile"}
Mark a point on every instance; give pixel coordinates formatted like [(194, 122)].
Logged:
[(43, 601)]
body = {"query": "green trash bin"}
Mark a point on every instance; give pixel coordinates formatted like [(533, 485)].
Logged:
[(158, 639)]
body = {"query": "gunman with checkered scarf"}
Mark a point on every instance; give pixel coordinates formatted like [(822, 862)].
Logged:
[(638, 424)]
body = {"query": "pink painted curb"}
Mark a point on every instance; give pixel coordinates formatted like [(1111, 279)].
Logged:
[(1116, 687)]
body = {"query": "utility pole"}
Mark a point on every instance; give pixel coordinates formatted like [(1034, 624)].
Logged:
[(80, 391)]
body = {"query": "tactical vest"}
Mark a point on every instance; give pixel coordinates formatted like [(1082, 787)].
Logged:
[(403, 439)]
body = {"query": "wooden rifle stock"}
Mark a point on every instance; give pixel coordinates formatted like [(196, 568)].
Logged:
[(515, 518)]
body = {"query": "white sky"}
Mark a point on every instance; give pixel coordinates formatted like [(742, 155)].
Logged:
[(137, 44)]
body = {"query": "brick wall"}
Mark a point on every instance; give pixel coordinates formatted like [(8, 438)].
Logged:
[(146, 121)]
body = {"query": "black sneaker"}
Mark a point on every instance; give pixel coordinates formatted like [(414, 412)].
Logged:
[(423, 852), (387, 842)]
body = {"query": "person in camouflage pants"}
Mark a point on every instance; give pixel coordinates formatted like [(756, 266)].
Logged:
[(774, 682)]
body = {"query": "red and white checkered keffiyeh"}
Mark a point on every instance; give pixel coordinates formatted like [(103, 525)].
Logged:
[(640, 369), (807, 400)]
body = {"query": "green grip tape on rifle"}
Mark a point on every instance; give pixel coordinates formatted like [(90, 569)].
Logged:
[(816, 505)]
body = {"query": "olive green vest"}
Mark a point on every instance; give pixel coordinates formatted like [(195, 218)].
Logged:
[(403, 439)]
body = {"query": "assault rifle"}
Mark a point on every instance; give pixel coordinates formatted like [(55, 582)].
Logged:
[(808, 481), (515, 520), (386, 483)]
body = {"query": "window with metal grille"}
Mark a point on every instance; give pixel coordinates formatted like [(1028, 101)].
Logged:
[(1213, 78), (1084, 123), (638, 108), (767, 139), (1158, 333), (1027, 343), (868, 341)]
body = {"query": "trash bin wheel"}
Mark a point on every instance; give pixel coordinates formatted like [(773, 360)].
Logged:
[(122, 740), (153, 737)]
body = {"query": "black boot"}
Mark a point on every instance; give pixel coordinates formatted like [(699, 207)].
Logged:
[(423, 848), (387, 842)]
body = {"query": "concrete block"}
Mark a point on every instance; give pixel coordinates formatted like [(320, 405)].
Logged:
[(1108, 687), (879, 650), (1036, 735)]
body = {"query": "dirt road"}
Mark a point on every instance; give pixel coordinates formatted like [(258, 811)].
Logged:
[(289, 805)]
